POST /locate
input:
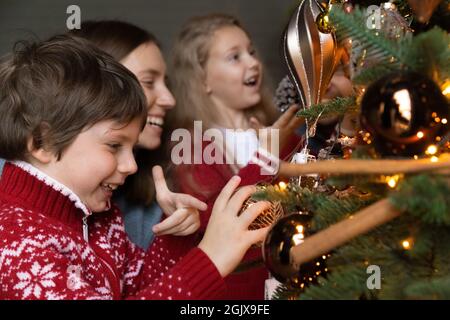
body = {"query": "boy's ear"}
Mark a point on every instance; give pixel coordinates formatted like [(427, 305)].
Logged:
[(39, 154), (207, 89)]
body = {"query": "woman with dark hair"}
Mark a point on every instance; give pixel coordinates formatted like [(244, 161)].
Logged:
[(139, 51)]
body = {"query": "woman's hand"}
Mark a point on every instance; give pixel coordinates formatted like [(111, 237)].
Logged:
[(182, 210), (227, 237)]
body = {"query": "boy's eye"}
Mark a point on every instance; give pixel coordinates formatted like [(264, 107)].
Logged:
[(114, 146), (234, 57), (252, 52)]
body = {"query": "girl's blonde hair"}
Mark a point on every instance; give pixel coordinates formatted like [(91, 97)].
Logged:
[(190, 56)]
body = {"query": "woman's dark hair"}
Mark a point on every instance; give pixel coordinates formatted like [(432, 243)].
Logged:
[(116, 38), (119, 39)]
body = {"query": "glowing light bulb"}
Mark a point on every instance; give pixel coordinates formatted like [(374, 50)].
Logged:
[(420, 134), (282, 185), (446, 88), (392, 181), (406, 245), (431, 150)]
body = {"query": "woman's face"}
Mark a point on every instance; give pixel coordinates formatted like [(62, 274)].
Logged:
[(233, 72), (147, 63)]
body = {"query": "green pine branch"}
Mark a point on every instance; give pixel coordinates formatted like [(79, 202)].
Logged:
[(328, 210), (441, 256), (431, 52), (365, 183), (337, 106), (290, 199), (377, 45), (425, 197), (348, 283), (427, 53), (437, 288), (366, 76)]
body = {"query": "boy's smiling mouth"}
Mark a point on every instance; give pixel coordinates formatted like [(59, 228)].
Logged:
[(109, 187)]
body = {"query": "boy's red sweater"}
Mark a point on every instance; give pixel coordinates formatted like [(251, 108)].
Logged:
[(205, 182), (43, 254)]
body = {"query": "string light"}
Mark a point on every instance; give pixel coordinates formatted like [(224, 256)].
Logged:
[(282, 185), (406, 245), (446, 89), (366, 138), (434, 159), (431, 150), (392, 181), (420, 134)]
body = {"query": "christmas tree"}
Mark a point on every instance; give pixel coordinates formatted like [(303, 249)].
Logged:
[(379, 205)]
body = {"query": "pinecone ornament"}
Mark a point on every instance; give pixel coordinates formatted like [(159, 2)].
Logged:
[(286, 95)]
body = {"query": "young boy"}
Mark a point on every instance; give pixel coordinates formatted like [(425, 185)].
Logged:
[(71, 116)]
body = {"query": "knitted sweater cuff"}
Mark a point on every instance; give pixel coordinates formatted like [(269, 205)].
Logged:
[(201, 275)]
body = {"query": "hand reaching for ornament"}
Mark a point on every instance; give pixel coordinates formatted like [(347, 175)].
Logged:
[(340, 86), (227, 237), (182, 210), (285, 125)]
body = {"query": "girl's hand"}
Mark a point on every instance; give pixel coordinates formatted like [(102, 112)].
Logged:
[(285, 126), (227, 237), (182, 209)]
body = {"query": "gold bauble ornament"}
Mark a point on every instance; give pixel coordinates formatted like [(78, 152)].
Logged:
[(311, 56), (265, 218), (323, 23), (287, 232)]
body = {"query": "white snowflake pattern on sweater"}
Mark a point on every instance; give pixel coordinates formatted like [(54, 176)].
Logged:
[(37, 279), (43, 254)]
